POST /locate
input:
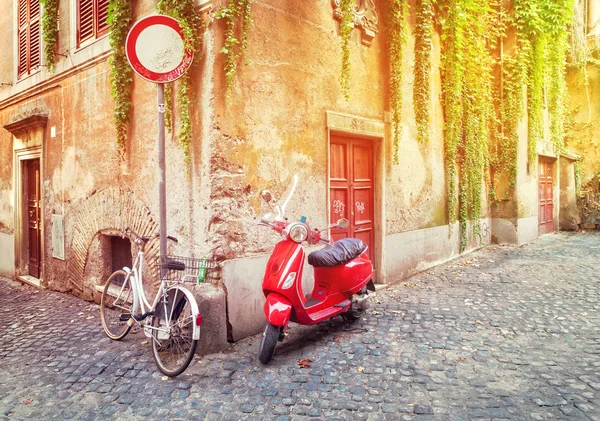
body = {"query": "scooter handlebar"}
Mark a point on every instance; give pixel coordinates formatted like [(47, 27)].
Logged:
[(278, 226)]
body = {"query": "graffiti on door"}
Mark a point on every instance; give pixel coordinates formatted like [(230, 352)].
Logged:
[(360, 207), (339, 207)]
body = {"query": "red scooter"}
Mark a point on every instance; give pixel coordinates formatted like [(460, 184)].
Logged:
[(342, 271)]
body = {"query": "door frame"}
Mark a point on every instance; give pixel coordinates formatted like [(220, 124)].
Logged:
[(371, 130), (20, 231)]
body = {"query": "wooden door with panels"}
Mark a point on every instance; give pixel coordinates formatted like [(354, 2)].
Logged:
[(546, 200), (351, 187), (32, 214)]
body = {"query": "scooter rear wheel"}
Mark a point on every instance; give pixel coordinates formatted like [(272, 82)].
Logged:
[(354, 313), (268, 342)]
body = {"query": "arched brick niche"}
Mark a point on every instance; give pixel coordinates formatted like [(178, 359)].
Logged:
[(108, 211)]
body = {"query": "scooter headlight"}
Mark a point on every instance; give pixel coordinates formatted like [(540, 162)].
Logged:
[(298, 233)]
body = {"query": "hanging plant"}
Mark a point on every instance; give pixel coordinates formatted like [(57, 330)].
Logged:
[(50, 32), (467, 64), (346, 26), (237, 19), (422, 69), (559, 17), (169, 107), (191, 24), (396, 28), (542, 30), (119, 19), (510, 112)]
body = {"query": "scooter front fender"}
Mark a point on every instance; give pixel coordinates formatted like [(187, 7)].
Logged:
[(278, 309)]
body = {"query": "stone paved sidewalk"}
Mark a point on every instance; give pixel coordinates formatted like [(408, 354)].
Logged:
[(502, 333)]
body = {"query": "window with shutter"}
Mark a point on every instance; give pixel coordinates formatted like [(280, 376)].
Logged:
[(91, 19), (29, 37)]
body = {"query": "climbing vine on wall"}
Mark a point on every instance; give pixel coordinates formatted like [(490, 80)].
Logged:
[(396, 28), (509, 103), (119, 19), (559, 18), (346, 25), (468, 32), (50, 32), (422, 69), (542, 34), (237, 19), (191, 24)]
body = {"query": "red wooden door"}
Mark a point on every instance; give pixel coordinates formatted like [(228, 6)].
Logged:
[(546, 202), (351, 188), (32, 196)]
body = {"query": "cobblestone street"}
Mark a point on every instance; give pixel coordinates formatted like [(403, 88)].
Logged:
[(502, 333)]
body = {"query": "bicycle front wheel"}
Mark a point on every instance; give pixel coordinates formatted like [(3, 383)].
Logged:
[(116, 305), (173, 343)]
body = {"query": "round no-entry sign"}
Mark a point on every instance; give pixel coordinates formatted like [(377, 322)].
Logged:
[(155, 49)]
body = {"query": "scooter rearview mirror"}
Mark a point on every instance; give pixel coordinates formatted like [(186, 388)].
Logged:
[(268, 218), (343, 223)]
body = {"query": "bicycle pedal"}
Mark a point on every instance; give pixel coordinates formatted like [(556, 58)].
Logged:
[(124, 317)]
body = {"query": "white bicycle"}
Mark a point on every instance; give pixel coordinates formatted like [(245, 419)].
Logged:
[(172, 321)]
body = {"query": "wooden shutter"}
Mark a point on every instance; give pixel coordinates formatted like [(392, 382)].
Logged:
[(29, 36), (35, 45), (102, 16), (22, 37), (85, 20), (91, 19)]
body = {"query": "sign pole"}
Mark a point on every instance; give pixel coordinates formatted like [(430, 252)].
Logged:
[(162, 188), (155, 49)]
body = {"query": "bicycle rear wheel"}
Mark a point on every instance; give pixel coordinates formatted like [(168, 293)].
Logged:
[(173, 343), (116, 305)]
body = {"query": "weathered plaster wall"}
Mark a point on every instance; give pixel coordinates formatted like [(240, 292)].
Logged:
[(585, 139), (416, 196), (6, 183), (82, 161), (275, 122), (422, 249), (570, 217), (6, 35)]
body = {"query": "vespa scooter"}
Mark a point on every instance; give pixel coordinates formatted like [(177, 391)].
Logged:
[(342, 277)]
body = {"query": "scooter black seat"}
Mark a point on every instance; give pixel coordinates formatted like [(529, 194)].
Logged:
[(340, 253)]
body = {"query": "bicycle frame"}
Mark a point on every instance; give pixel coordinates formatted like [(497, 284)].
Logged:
[(141, 304)]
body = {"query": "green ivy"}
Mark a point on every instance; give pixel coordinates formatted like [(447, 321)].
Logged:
[(50, 32), (482, 96), (346, 26), (396, 29), (119, 19), (169, 107), (542, 34), (505, 143), (237, 19), (185, 131), (469, 30), (560, 17), (422, 69), (191, 24)]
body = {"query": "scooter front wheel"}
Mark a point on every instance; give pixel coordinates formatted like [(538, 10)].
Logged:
[(268, 342)]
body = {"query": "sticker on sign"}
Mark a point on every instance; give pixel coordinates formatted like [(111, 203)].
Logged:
[(155, 49)]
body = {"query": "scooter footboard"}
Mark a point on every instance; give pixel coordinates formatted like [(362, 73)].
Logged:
[(278, 309)]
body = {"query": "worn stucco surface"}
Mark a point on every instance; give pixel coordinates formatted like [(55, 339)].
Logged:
[(273, 125), (584, 140)]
